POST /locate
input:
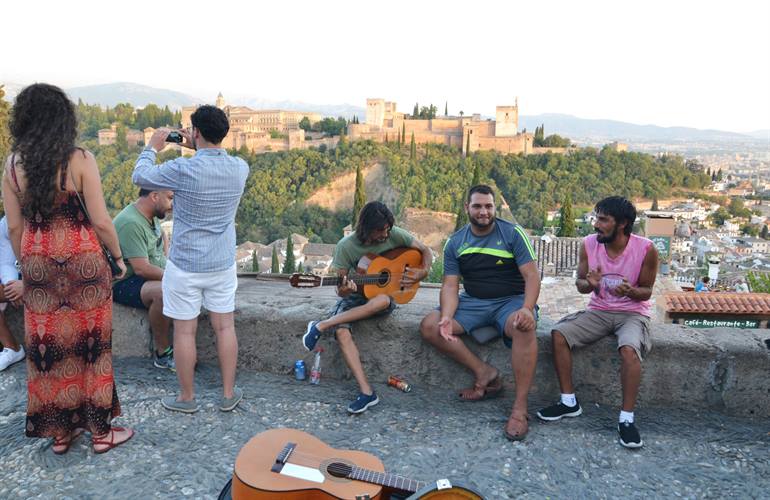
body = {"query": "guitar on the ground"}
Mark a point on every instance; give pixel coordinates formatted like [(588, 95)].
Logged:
[(376, 275), (290, 464)]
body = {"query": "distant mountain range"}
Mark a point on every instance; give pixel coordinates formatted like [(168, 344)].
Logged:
[(577, 129)]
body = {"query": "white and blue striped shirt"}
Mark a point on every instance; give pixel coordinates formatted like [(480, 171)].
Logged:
[(207, 190)]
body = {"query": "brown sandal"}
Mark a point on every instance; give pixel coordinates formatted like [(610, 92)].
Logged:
[(66, 442), (479, 393), (101, 440), (517, 435)]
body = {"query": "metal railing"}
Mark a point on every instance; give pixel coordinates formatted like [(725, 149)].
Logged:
[(557, 256)]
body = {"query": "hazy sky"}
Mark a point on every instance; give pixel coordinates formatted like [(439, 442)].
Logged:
[(703, 64)]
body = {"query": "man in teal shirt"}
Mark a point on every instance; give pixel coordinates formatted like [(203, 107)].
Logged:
[(144, 248)]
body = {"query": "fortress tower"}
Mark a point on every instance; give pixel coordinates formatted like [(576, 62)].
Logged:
[(220, 101), (375, 113), (507, 120)]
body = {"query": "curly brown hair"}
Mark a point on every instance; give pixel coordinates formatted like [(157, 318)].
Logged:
[(44, 128)]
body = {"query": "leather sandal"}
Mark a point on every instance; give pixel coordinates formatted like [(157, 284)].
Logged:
[(517, 436), (102, 440), (66, 442), (480, 393)]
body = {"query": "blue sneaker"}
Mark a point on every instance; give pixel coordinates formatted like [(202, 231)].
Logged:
[(311, 336), (363, 402)]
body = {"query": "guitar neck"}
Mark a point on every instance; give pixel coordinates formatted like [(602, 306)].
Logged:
[(386, 479)]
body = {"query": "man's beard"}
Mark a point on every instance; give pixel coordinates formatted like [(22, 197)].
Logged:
[(607, 239), (480, 225), (160, 215)]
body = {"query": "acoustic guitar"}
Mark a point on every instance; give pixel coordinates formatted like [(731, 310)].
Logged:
[(375, 275), (290, 464)]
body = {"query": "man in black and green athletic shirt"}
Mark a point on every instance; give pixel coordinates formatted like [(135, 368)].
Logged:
[(497, 264)]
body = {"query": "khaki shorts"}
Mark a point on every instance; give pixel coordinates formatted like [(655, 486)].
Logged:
[(586, 327)]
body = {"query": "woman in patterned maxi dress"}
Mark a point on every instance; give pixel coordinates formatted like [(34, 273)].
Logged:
[(68, 293)]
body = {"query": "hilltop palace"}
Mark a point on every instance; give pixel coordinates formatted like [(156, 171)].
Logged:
[(473, 133)]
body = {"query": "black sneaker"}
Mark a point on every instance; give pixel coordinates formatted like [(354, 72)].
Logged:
[(629, 436), (559, 410)]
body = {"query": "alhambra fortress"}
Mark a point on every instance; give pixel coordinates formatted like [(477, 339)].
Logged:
[(278, 130), (384, 122)]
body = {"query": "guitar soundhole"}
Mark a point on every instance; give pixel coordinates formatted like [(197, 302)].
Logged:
[(336, 470), (383, 279)]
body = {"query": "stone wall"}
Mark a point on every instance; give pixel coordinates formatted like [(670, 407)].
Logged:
[(724, 370)]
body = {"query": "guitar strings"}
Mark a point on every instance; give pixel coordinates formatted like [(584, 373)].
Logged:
[(314, 461)]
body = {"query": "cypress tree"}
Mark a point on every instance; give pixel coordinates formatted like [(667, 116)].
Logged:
[(359, 199), (412, 149), (446, 108), (299, 268), (403, 133), (254, 262), (275, 267), (288, 264), (462, 215), (386, 138), (764, 232), (476, 173), (654, 207), (468, 144), (567, 223), (416, 111)]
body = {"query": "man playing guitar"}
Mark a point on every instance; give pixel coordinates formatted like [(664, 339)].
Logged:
[(374, 234)]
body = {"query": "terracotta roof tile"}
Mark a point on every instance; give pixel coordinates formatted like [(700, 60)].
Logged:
[(718, 303)]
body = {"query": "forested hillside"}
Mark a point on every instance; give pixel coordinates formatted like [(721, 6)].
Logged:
[(432, 176)]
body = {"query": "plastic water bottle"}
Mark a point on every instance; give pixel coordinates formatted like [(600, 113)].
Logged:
[(315, 372), (299, 370)]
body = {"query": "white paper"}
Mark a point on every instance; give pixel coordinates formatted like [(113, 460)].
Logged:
[(302, 472)]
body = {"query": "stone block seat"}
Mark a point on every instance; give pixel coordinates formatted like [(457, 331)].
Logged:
[(720, 369)]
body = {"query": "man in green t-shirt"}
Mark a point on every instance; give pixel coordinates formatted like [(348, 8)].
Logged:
[(144, 248), (376, 234)]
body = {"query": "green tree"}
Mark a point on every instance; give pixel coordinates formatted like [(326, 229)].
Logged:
[(446, 108), (304, 124), (462, 216), (719, 175), (412, 149), (468, 144), (275, 266), (254, 261), (120, 140), (359, 198), (288, 264), (300, 269), (476, 172), (436, 273), (403, 133), (759, 282), (539, 136), (567, 219), (416, 111), (764, 233), (5, 135), (654, 207)]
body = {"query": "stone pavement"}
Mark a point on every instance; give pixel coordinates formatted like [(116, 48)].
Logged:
[(424, 435)]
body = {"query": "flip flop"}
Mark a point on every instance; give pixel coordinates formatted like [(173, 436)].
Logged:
[(66, 442), (480, 393), (111, 442), (517, 436)]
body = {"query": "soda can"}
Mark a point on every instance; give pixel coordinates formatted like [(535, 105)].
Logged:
[(399, 384), (299, 370)]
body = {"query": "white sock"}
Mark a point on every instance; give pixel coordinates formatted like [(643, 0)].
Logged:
[(626, 416), (568, 399)]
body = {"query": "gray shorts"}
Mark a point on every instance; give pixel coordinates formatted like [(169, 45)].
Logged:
[(351, 301), (586, 327)]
